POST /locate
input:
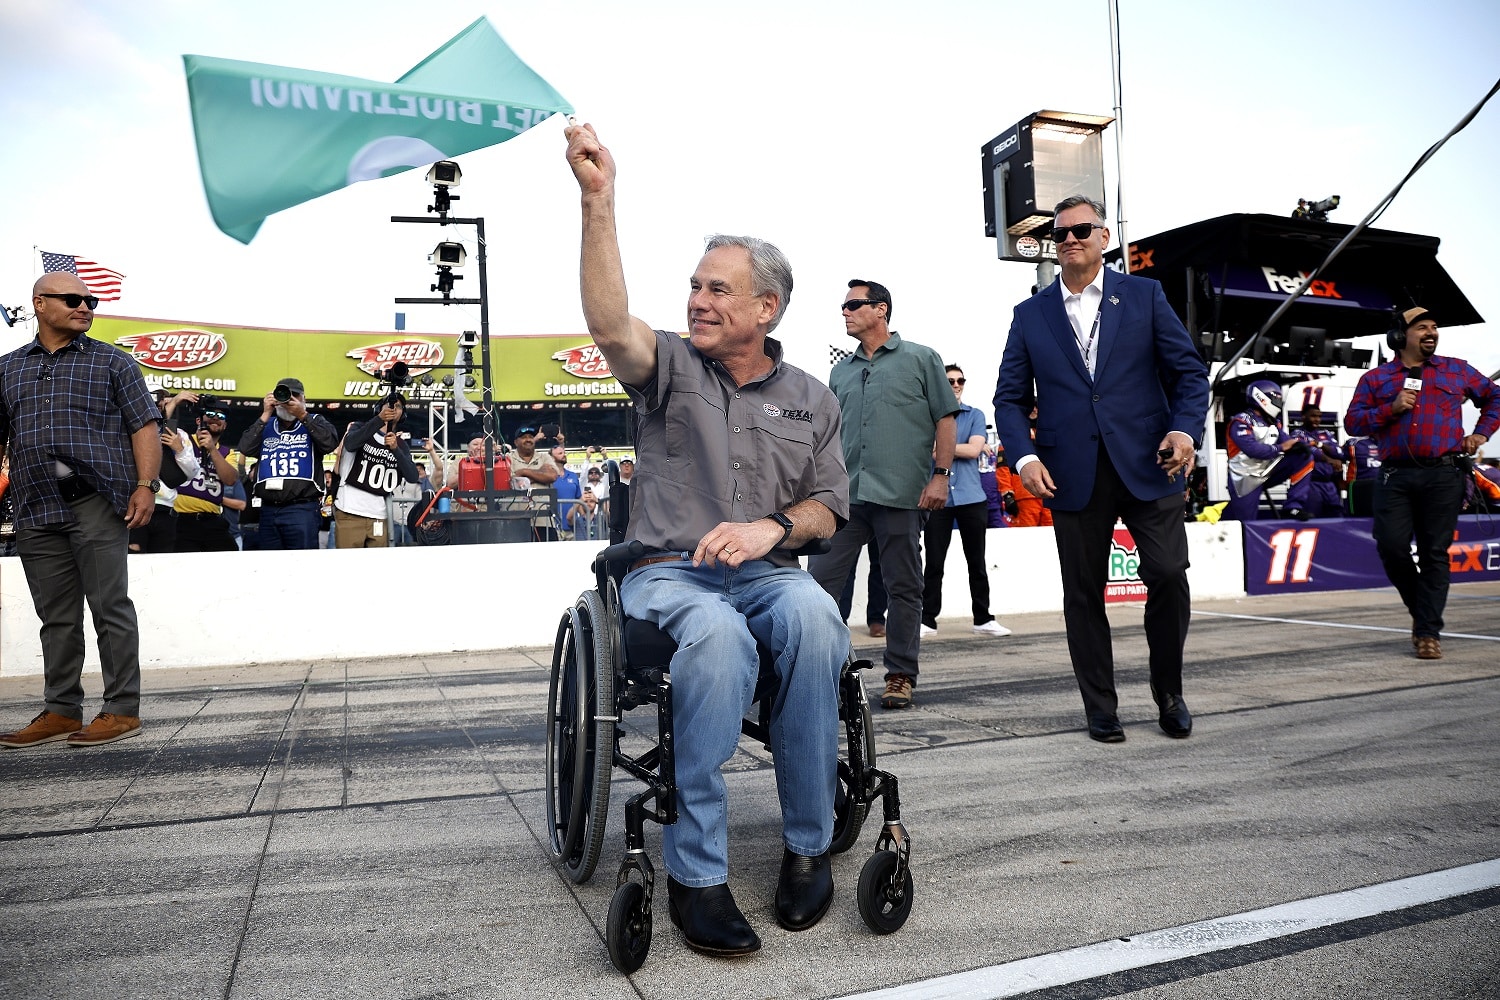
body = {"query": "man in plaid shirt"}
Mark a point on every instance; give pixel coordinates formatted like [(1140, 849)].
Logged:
[(80, 428), (1413, 408)]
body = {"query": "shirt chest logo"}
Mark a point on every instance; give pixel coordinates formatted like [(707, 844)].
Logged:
[(772, 410)]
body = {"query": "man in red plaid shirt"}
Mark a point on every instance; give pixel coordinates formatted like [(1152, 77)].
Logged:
[(1413, 408)]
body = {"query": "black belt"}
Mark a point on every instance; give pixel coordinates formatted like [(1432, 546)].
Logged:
[(1421, 463), (197, 515), (651, 560)]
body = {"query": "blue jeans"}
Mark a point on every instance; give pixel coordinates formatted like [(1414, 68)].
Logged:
[(291, 526), (716, 615)]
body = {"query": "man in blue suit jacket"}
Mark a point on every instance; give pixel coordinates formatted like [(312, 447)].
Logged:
[(1121, 396)]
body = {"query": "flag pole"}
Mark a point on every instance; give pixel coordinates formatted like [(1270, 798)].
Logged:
[(1114, 61)]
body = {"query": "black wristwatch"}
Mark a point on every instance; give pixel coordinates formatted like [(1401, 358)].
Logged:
[(786, 527), (154, 485), (940, 471)]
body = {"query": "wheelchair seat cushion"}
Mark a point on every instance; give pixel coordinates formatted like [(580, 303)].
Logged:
[(646, 645)]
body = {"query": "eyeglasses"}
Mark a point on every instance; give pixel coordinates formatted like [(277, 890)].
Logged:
[(72, 299), (214, 415), (957, 381), (855, 305), (1080, 232)]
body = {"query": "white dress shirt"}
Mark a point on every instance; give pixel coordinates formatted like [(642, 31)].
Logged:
[(1083, 310)]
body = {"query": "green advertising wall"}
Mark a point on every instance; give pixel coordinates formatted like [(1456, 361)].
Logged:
[(239, 362)]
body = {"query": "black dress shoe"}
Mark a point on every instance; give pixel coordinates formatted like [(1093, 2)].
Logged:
[(1105, 729), (804, 890), (710, 920), (1176, 721)]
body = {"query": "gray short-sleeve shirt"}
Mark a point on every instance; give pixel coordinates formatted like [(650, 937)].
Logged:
[(711, 451)]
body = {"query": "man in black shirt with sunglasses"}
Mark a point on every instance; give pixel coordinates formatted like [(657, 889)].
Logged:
[(81, 431)]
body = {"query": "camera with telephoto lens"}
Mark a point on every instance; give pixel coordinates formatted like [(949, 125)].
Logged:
[(205, 406), (395, 378), (282, 394)]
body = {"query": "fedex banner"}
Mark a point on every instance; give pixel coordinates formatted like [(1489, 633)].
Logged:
[(1339, 554)]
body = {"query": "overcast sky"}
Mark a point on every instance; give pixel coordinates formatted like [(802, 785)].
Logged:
[(847, 133)]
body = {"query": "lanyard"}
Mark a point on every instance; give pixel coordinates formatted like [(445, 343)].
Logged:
[(1087, 348)]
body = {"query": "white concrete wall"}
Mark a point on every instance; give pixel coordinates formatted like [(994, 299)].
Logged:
[(222, 608)]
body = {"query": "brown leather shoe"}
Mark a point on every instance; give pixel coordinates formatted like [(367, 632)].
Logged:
[(877, 629), (1429, 647), (45, 728), (106, 728)]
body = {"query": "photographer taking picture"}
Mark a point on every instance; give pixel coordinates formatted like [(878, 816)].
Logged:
[(373, 460), (290, 442), (201, 525)]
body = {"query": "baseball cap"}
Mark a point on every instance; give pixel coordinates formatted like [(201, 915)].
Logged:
[(523, 431), (1413, 314), (627, 461), (294, 384)]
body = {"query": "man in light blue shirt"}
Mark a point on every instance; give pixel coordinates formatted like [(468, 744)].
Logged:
[(969, 509)]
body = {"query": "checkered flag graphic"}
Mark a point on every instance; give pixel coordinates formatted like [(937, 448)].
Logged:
[(837, 354)]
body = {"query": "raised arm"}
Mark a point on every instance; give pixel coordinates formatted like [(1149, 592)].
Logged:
[(628, 343)]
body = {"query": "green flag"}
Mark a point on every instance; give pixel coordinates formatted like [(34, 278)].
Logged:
[(270, 137)]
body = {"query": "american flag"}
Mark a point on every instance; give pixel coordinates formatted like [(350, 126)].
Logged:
[(101, 281)]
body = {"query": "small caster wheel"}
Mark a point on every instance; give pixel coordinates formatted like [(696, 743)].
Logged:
[(628, 931), (883, 904)]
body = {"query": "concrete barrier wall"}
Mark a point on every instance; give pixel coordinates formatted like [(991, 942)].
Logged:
[(226, 608)]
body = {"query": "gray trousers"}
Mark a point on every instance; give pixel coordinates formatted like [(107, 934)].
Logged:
[(66, 564), (897, 533)]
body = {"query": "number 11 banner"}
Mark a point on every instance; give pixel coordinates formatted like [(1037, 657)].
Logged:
[(270, 137), (1339, 554)]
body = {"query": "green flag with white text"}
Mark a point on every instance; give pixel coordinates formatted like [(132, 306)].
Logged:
[(270, 137)]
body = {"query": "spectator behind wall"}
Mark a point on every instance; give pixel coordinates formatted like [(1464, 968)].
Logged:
[(374, 460), (290, 442)]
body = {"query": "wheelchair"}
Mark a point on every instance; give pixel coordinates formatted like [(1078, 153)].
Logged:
[(604, 665)]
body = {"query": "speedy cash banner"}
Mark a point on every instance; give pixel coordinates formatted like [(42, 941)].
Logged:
[(1339, 554), (238, 362)]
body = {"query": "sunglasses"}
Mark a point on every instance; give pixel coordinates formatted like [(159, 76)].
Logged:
[(855, 305), (72, 299), (1080, 232), (957, 381), (214, 415)]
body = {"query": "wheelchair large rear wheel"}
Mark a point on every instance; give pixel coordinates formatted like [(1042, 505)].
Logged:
[(849, 807), (580, 737)]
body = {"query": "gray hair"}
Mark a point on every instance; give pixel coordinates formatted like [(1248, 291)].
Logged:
[(770, 271), (1077, 200)]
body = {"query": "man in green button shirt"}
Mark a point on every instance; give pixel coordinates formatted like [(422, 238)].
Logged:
[(898, 424)]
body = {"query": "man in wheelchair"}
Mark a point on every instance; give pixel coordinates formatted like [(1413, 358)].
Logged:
[(741, 464)]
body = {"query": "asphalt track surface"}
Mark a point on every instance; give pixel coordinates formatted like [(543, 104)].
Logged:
[(376, 829)]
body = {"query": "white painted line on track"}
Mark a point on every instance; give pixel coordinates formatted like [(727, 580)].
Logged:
[(1174, 943), (1361, 628)]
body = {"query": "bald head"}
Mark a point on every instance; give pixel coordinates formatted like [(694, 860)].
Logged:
[(56, 320)]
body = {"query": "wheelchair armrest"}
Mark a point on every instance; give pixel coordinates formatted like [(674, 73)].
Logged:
[(621, 552), (816, 547)]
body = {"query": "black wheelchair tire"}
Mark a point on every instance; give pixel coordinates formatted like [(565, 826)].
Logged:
[(849, 811), (628, 929), (883, 905), (580, 738)]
